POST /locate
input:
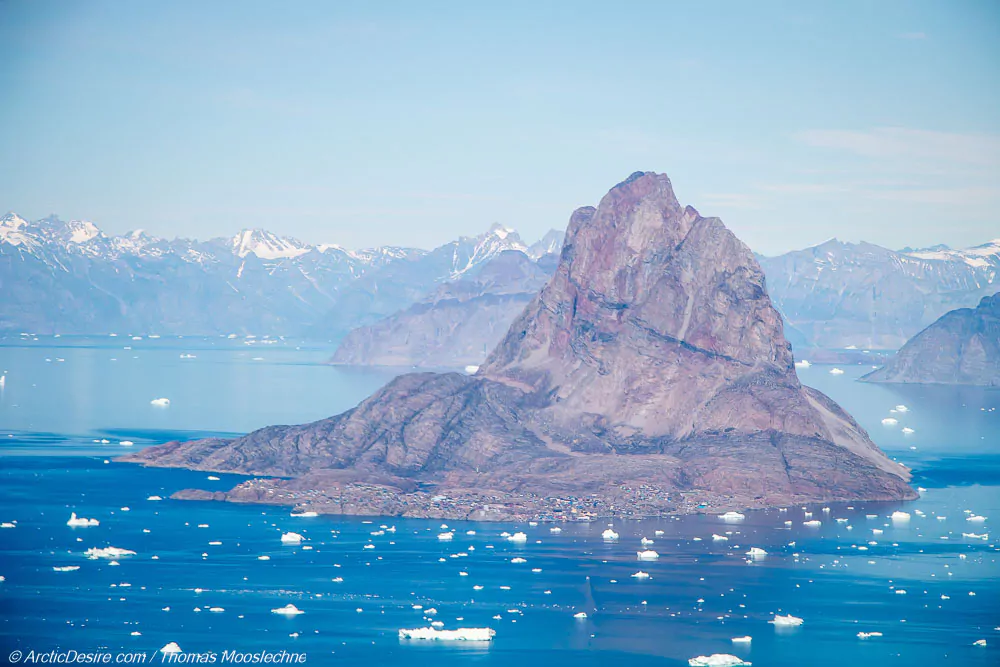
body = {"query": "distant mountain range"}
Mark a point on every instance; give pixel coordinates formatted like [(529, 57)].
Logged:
[(70, 277), (436, 307)]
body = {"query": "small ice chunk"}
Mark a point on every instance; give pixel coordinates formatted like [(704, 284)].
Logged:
[(812, 524), (446, 537), (66, 568), (305, 514), (732, 516), (907, 430), (979, 642), (610, 535), (581, 615), (756, 552), (786, 621), (76, 521), (518, 560), (802, 364), (291, 538), (555, 529), (288, 610), (170, 648), (154, 498), (640, 575), (742, 640), (648, 554), (900, 516), (866, 635), (461, 634), (160, 402), (902, 408), (645, 541), (518, 537), (975, 518), (108, 552), (836, 371), (889, 421), (717, 660), (719, 538)]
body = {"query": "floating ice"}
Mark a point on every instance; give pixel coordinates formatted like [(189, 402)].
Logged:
[(580, 615), (640, 575), (446, 537), (555, 529), (975, 518), (154, 498), (288, 610), (732, 516), (719, 538), (291, 538), (172, 647), (648, 554), (518, 537), (900, 516), (609, 535), (756, 552), (263, 558), (126, 443), (76, 521), (742, 640), (462, 634), (802, 364), (108, 552), (717, 660), (66, 568), (866, 635), (902, 408), (518, 560), (979, 642), (160, 402), (812, 523), (786, 621), (306, 514), (907, 430), (213, 478), (645, 541), (836, 371)]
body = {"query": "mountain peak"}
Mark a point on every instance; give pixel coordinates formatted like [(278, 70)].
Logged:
[(266, 245)]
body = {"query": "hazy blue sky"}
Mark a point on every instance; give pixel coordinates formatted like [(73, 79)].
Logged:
[(412, 123)]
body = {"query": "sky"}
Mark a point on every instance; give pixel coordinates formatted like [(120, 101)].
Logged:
[(411, 123)]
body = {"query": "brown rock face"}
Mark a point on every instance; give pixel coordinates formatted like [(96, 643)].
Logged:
[(653, 359), (962, 347)]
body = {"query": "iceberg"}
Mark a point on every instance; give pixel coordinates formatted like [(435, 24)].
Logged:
[(446, 537), (889, 421), (717, 660), (640, 575), (518, 560), (154, 498), (756, 552), (836, 371), (975, 518), (788, 621), (304, 514), (609, 535), (288, 610), (649, 554), (719, 538), (518, 537), (291, 538), (907, 430), (76, 521), (66, 568), (732, 516), (900, 516), (812, 523), (108, 552), (460, 635), (7, 524), (160, 402), (581, 615), (866, 635), (555, 529), (645, 541), (742, 640), (802, 364), (170, 648), (979, 642), (902, 408)]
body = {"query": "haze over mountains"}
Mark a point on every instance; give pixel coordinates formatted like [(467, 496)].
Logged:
[(409, 306)]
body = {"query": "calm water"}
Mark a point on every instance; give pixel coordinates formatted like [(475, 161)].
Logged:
[(701, 592)]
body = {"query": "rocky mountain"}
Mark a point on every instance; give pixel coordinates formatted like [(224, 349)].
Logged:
[(455, 326), (962, 347), (650, 375), (69, 277), (837, 295)]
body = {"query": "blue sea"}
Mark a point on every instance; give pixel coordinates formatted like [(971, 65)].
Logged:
[(68, 404)]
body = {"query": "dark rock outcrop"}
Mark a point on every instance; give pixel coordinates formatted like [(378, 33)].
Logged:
[(963, 347), (652, 361)]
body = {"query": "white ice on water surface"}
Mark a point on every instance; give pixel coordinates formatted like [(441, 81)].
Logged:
[(81, 522), (717, 660), (461, 634)]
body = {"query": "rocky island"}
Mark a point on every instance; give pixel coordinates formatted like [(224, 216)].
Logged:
[(650, 375), (962, 347)]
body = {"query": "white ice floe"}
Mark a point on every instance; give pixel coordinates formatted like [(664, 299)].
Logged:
[(518, 537), (288, 610), (291, 538), (79, 521), (66, 568), (803, 363), (975, 518), (8, 524), (648, 554), (108, 552), (645, 541), (160, 402), (126, 443), (461, 634), (640, 575), (719, 538), (902, 408), (866, 635), (609, 535), (306, 514), (836, 371), (213, 478), (263, 558), (555, 529), (718, 660), (742, 640), (900, 517), (979, 642), (813, 523), (446, 537), (732, 516), (581, 615), (756, 552), (154, 498), (889, 421), (170, 648), (786, 621), (907, 430)]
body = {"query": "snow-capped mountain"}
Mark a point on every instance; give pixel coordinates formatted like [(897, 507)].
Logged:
[(837, 294), (71, 277)]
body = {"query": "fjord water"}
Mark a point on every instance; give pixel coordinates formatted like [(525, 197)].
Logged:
[(62, 394)]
